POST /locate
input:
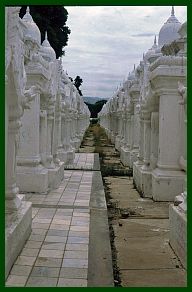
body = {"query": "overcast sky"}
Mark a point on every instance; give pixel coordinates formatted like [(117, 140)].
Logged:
[(106, 41)]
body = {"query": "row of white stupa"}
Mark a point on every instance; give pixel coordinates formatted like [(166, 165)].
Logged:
[(146, 119), (45, 122)]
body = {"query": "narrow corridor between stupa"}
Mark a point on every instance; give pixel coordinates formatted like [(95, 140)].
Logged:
[(94, 202)]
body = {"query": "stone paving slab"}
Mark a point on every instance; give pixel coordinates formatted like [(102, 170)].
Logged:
[(44, 258), (100, 272), (154, 278), (64, 239), (126, 195), (144, 258), (85, 161), (69, 194)]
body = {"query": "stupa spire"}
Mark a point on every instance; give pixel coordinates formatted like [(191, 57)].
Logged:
[(155, 40), (172, 11), (27, 17)]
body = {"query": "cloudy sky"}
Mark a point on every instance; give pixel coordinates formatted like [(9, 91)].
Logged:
[(106, 41)]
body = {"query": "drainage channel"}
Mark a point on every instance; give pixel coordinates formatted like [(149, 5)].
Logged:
[(114, 212), (110, 166)]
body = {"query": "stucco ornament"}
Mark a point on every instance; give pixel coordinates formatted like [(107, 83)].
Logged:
[(15, 62), (183, 92)]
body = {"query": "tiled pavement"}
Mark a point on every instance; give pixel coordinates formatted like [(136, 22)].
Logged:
[(74, 191), (56, 253), (85, 161)]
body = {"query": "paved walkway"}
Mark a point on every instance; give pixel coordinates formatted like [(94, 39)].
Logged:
[(69, 244), (61, 243), (144, 258), (85, 161)]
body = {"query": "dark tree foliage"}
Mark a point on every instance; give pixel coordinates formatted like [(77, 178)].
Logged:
[(51, 19), (77, 82), (96, 107)]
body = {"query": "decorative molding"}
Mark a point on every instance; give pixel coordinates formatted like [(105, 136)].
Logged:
[(168, 61)]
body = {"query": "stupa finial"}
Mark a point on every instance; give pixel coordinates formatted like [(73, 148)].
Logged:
[(172, 11), (155, 40), (46, 35)]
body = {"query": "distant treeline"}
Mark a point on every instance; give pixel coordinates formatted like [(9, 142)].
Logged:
[(96, 107)]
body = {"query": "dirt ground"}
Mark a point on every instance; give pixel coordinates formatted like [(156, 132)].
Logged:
[(139, 227)]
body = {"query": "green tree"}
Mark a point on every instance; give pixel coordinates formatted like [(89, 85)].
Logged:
[(77, 82), (96, 107), (51, 19)]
